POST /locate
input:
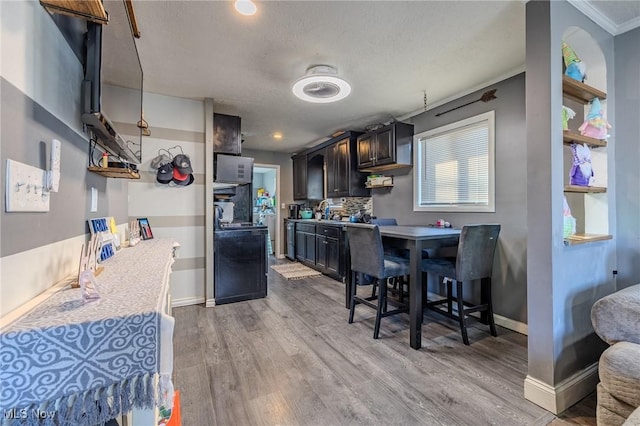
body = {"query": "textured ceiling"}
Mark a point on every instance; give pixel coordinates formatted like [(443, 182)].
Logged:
[(390, 52)]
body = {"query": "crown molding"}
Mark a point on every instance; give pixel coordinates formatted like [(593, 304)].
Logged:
[(607, 24), (631, 24)]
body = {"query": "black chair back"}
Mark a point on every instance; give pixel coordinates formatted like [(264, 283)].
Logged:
[(476, 249), (365, 246), (384, 221)]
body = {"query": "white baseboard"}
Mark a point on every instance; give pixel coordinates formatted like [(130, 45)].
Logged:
[(210, 303), (508, 323), (565, 394), (280, 256), (517, 326), (186, 301)]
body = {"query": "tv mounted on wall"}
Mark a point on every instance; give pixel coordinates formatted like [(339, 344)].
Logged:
[(112, 63)]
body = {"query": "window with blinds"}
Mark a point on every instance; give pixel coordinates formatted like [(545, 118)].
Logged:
[(454, 166)]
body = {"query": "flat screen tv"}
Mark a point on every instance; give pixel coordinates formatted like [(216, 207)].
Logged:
[(113, 85)]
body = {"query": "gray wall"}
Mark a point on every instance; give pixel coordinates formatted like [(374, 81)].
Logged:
[(627, 76), (509, 278), (563, 282), (27, 131), (40, 100)]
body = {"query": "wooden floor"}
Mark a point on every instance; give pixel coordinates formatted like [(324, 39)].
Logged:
[(292, 359)]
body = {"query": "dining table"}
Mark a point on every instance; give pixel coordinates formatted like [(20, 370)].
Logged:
[(416, 238)]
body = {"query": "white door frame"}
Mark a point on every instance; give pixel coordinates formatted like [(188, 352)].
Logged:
[(278, 237)]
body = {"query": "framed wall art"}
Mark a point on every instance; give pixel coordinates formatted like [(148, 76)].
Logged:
[(145, 228)]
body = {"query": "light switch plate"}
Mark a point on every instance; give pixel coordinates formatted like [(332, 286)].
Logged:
[(26, 188), (94, 200)]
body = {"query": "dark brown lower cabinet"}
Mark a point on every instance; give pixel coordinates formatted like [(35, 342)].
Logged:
[(323, 248)]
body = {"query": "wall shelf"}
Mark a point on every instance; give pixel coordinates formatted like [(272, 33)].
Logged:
[(579, 91), (576, 239), (378, 186), (584, 189), (569, 137), (91, 10), (385, 167), (115, 172)]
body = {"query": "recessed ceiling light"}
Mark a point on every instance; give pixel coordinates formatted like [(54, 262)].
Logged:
[(246, 7), (321, 84), (277, 135)]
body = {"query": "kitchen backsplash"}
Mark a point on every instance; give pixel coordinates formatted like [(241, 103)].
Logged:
[(353, 205), (356, 204)]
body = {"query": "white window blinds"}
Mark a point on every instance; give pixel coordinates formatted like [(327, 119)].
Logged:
[(455, 166)]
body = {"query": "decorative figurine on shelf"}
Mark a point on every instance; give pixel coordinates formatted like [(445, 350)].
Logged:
[(567, 114), (581, 173), (595, 125), (569, 224), (574, 67)]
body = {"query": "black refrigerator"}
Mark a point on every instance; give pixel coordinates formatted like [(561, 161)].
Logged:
[(240, 264)]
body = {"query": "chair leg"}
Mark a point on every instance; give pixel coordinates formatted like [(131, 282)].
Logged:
[(486, 290), (401, 286), (354, 287), (382, 301), (461, 315), (449, 296)]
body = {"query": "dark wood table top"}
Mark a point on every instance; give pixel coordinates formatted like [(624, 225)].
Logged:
[(418, 232)]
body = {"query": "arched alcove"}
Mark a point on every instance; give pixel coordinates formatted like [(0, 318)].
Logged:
[(589, 205)]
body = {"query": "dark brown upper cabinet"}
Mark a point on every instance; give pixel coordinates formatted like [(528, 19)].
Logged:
[(343, 177), (333, 162), (300, 177), (308, 176), (227, 138), (386, 148)]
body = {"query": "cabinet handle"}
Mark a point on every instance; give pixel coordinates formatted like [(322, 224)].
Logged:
[(335, 190)]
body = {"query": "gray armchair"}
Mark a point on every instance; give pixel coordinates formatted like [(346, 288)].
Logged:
[(615, 319)]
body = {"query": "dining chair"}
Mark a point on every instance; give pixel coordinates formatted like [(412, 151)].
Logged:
[(398, 284), (367, 257), (474, 261), (384, 221)]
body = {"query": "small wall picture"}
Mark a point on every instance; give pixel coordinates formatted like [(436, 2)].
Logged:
[(145, 228)]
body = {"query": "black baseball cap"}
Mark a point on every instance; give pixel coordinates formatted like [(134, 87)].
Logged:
[(182, 163), (165, 173), (186, 182)]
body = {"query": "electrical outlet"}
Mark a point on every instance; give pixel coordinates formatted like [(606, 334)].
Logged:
[(26, 188)]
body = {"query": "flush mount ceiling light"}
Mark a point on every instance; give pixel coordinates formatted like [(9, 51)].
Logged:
[(246, 7), (321, 84)]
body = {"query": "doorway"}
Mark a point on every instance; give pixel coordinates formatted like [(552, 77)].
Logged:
[(266, 195)]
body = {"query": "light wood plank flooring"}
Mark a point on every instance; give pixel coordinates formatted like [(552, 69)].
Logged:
[(292, 359)]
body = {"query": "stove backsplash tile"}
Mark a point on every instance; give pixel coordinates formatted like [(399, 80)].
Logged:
[(352, 205), (356, 204)]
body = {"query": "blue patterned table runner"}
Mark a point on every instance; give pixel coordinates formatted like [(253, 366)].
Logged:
[(73, 362)]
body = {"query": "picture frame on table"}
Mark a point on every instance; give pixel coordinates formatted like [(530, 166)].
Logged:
[(145, 228)]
